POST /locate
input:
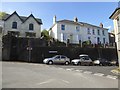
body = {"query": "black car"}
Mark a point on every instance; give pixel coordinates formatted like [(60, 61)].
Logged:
[(101, 62), (114, 62)]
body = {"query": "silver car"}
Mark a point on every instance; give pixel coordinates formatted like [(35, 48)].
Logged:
[(84, 59), (61, 59)]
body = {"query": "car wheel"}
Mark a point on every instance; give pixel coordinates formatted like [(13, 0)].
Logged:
[(101, 64), (66, 63), (79, 63), (91, 64), (50, 62)]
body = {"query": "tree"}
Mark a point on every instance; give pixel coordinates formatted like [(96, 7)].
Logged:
[(2, 14), (45, 35)]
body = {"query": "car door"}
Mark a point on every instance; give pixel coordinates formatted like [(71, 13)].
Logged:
[(87, 60), (57, 59), (63, 59)]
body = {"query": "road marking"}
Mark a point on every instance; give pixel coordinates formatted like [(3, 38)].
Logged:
[(112, 77), (77, 70), (98, 74), (50, 80), (60, 68), (80, 70), (65, 81), (87, 72), (68, 69)]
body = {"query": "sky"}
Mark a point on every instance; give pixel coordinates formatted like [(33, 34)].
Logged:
[(88, 12)]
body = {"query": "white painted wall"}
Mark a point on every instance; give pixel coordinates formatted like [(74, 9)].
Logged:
[(83, 33), (22, 27)]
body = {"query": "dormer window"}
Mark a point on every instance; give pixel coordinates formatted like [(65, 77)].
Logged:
[(14, 25), (31, 26)]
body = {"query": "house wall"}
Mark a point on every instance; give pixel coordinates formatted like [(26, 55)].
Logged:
[(8, 24), (53, 32), (93, 37), (70, 29), (82, 34), (22, 27), (25, 27)]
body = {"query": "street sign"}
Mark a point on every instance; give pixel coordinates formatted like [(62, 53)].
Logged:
[(52, 51)]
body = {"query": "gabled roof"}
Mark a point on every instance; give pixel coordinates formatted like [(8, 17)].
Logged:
[(12, 15), (76, 23), (114, 12), (31, 15), (22, 18)]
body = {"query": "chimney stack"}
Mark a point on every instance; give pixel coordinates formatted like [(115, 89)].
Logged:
[(75, 19), (54, 19), (101, 25)]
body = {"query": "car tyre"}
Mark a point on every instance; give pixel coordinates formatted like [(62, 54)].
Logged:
[(101, 64), (79, 63), (66, 63), (50, 62)]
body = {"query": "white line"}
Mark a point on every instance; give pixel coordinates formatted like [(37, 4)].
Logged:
[(87, 72), (99, 74), (60, 68), (65, 81), (77, 70), (112, 77), (50, 80), (80, 70), (68, 69)]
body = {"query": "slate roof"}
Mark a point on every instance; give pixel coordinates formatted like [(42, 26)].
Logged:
[(23, 18), (77, 23)]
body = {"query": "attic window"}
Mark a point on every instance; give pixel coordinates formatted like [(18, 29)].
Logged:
[(14, 25)]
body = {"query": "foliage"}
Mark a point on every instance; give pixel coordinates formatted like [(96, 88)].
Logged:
[(45, 35), (2, 14)]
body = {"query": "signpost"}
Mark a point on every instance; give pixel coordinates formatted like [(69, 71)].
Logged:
[(29, 48)]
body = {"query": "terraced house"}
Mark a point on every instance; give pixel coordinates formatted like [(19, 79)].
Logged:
[(75, 31), (21, 26)]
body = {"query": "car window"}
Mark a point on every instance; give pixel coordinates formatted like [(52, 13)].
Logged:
[(85, 57), (63, 56), (57, 57)]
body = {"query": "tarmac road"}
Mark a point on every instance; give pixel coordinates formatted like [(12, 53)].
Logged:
[(29, 75)]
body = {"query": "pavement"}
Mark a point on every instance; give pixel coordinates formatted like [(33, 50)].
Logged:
[(29, 75)]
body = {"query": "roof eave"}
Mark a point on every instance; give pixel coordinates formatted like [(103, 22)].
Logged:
[(112, 16)]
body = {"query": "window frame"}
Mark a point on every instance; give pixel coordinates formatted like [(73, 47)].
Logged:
[(31, 26), (62, 27), (14, 25)]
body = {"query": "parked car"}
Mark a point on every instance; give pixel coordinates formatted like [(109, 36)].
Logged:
[(101, 62), (58, 59), (114, 62), (83, 60)]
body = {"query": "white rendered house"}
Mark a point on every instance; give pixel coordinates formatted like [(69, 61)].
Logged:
[(116, 20), (75, 32), (21, 26)]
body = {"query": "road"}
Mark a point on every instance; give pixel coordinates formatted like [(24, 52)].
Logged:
[(29, 75), (105, 70)]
